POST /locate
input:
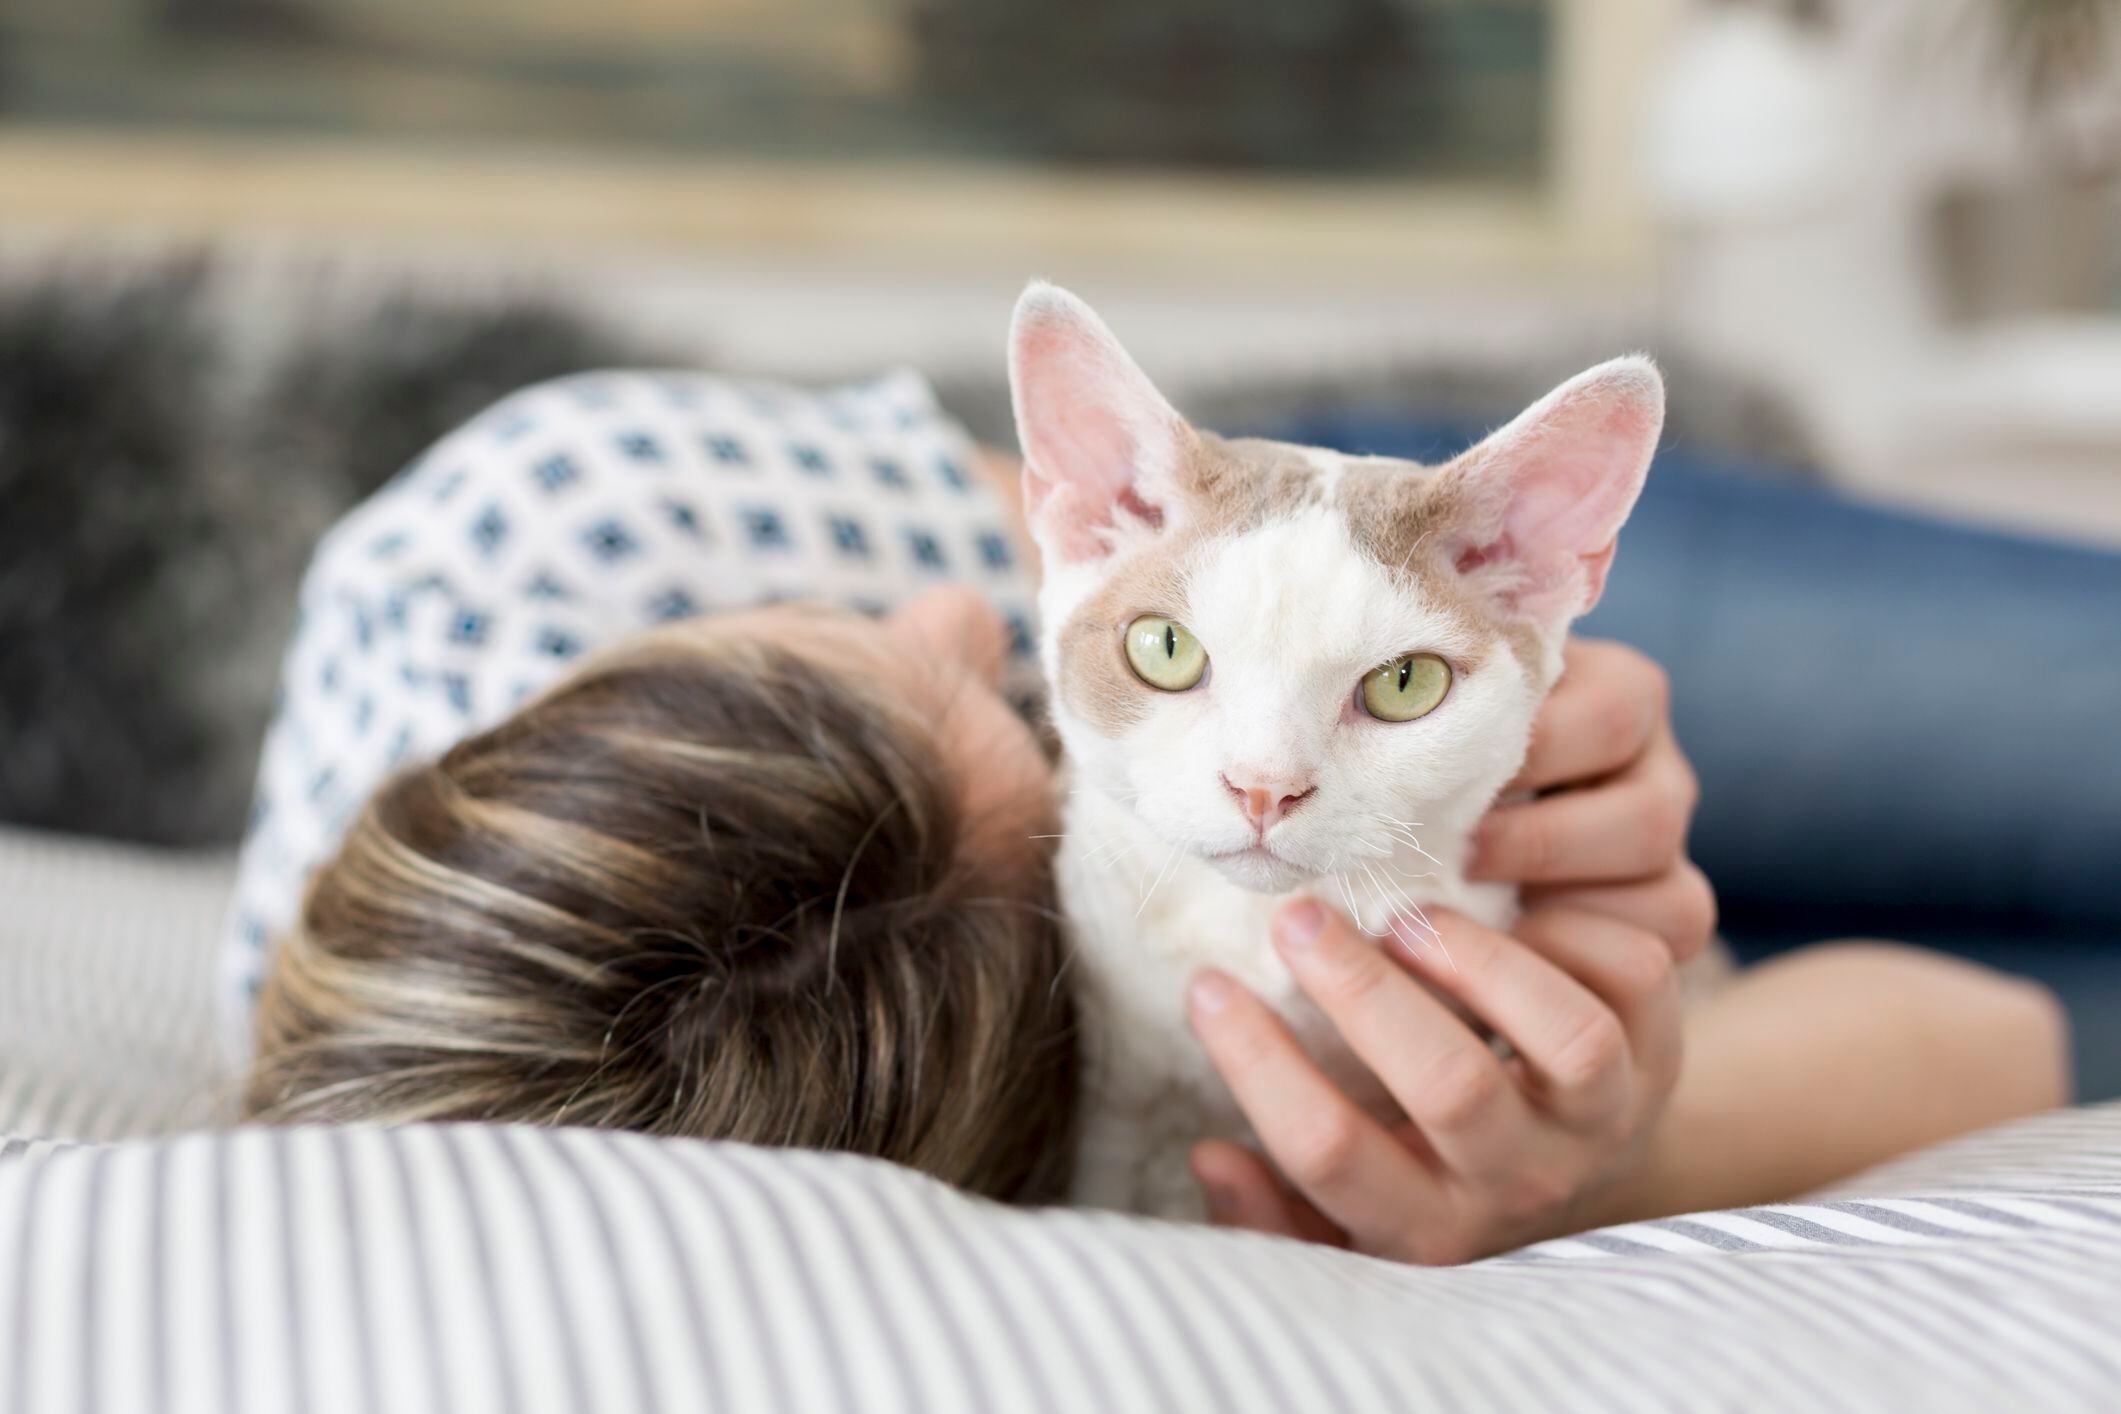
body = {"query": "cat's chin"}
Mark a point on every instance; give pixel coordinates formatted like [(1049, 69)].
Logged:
[(1261, 870)]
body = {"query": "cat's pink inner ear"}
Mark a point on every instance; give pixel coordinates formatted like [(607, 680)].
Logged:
[(1099, 441), (1558, 483)]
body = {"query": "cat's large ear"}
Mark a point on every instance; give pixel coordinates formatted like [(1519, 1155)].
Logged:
[(1101, 446), (1538, 506)]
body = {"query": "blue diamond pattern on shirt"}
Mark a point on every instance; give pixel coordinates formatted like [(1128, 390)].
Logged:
[(608, 540), (469, 627), (557, 643), (670, 605), (320, 784), (545, 585), (328, 676), (684, 517), (473, 603), (849, 538), (765, 529), (994, 550), (490, 530), (557, 472), (927, 550)]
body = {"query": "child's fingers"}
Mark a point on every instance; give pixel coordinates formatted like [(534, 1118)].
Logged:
[(1354, 1172), (1570, 1040), (1630, 827), (1631, 971), (1243, 1191), (1679, 906), (1445, 1078)]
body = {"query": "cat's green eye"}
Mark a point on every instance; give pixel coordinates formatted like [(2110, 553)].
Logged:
[(1164, 654), (1409, 688)]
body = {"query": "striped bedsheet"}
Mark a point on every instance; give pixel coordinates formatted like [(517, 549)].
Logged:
[(467, 1268), (471, 1268)]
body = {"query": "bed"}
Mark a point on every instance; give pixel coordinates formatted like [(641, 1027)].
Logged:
[(150, 1260)]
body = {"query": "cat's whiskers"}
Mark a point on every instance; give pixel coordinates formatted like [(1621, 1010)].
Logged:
[(1114, 851), (1169, 860), (1384, 898), (1347, 894), (1403, 831), (1403, 874), (1394, 827), (1399, 904), (1124, 797)]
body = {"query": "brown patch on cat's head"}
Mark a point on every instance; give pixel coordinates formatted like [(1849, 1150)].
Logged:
[(1237, 484), (1403, 516), (1230, 487), (1094, 679)]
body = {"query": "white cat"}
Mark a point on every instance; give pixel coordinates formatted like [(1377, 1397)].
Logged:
[(1279, 669)]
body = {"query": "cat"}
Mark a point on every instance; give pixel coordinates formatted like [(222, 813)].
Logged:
[(1278, 669)]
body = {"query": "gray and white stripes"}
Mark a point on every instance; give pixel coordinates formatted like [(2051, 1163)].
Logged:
[(473, 1268), (465, 1268), (107, 987)]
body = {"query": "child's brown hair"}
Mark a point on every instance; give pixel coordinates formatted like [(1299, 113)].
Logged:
[(700, 889)]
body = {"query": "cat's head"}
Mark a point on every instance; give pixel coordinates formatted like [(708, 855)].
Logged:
[(1279, 657)]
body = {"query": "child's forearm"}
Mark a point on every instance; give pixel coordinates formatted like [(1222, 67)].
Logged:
[(1810, 1067)]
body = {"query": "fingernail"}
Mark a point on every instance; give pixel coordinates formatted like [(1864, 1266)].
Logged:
[(1299, 924), (1210, 992)]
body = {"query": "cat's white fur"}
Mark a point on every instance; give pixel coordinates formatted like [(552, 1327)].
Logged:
[(1293, 613)]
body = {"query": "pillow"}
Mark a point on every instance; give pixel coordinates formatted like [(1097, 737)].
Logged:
[(469, 1267)]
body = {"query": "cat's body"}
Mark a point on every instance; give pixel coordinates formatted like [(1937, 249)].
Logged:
[(1244, 641)]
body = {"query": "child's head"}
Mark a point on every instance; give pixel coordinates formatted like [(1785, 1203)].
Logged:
[(769, 877)]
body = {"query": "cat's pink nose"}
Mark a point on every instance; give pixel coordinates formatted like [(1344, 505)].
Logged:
[(1265, 799)]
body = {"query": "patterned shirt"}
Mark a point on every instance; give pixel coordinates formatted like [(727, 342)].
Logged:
[(571, 515)]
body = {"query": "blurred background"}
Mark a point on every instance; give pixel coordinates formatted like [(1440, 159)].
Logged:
[(254, 254)]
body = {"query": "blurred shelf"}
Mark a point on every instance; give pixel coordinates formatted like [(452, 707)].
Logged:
[(922, 215)]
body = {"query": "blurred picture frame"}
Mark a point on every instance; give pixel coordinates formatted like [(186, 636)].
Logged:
[(243, 134)]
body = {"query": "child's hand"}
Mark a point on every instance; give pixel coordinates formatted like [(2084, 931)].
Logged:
[(1494, 1153), (1608, 832)]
